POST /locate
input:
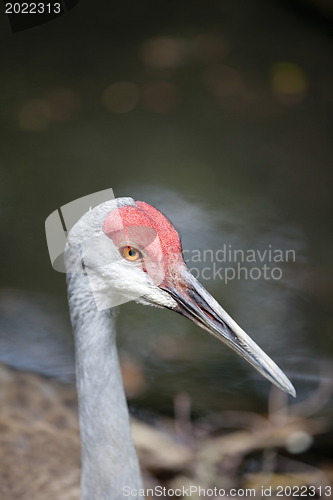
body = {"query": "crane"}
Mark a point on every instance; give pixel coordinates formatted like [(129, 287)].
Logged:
[(128, 250)]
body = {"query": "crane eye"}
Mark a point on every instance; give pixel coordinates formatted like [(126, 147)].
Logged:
[(131, 253)]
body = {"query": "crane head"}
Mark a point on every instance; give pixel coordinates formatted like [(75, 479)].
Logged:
[(141, 259)]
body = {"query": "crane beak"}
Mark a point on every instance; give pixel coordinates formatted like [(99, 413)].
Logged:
[(196, 304)]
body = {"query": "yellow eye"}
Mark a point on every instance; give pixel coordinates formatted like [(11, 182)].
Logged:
[(131, 253)]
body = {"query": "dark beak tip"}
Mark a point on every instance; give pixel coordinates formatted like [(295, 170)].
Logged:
[(197, 305)]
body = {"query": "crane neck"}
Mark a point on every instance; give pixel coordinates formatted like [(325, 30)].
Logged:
[(109, 460)]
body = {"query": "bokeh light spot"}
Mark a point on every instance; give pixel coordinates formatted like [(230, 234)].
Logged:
[(299, 442), (222, 80), (121, 97), (161, 97), (163, 52), (34, 115), (210, 48), (289, 79), (64, 105)]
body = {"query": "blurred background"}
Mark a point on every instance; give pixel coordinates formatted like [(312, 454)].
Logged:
[(219, 114)]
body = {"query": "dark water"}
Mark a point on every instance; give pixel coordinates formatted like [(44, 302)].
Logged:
[(223, 123)]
